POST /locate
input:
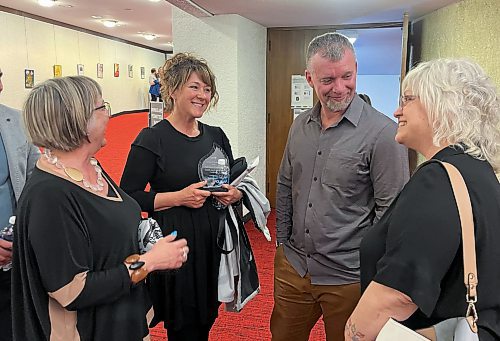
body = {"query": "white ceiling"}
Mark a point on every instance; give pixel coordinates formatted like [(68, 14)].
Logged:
[(133, 16), (291, 13), (375, 47)]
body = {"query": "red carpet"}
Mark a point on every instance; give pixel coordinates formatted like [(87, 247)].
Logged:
[(253, 322)]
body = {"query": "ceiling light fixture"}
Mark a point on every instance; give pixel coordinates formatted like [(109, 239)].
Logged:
[(47, 3), (96, 17), (110, 23), (149, 36)]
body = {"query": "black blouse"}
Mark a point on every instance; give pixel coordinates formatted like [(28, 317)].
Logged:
[(416, 246), (65, 237)]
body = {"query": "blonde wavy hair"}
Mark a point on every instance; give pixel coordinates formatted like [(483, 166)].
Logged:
[(175, 73), (462, 105)]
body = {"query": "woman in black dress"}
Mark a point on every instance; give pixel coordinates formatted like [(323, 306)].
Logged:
[(76, 270), (166, 157), (411, 260)]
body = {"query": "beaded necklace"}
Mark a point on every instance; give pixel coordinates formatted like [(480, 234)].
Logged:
[(75, 174)]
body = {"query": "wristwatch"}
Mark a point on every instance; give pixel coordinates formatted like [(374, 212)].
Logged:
[(139, 271)]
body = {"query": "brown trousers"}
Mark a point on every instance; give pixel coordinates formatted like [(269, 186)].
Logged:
[(298, 304)]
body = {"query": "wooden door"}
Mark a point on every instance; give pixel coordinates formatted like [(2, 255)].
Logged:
[(286, 56)]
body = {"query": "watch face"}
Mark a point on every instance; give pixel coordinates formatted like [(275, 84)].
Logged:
[(136, 265)]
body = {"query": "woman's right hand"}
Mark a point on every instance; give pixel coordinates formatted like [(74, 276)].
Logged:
[(167, 253), (192, 196)]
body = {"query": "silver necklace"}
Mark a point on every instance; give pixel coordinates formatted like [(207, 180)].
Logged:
[(76, 174)]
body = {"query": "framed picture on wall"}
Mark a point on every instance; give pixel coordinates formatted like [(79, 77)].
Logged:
[(131, 71), (100, 70), (57, 70), (80, 69), (29, 78), (116, 70), (143, 72)]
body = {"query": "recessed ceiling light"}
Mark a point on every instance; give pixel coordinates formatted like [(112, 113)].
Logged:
[(47, 3), (149, 36), (96, 17), (109, 23)]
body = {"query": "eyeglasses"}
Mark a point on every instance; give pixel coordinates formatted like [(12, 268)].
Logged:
[(106, 106), (403, 100)]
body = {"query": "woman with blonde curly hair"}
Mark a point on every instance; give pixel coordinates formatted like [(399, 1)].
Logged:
[(411, 261), (166, 157)]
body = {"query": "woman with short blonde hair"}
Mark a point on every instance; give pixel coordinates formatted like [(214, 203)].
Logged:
[(77, 272)]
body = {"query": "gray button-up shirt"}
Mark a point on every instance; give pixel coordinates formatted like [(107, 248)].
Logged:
[(333, 184)]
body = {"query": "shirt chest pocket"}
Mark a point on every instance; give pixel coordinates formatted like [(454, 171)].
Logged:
[(345, 169)]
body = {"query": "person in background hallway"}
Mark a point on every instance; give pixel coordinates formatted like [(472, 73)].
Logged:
[(365, 98), (166, 156), (76, 272), (17, 159), (411, 260), (160, 71), (154, 85), (341, 169)]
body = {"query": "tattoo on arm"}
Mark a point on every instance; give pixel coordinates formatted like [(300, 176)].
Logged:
[(352, 333)]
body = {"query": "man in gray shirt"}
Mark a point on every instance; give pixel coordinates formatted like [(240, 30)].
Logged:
[(340, 170), (17, 160)]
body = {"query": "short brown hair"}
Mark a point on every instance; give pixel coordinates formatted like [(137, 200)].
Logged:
[(57, 112), (176, 72)]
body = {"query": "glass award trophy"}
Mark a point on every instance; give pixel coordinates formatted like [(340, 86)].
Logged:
[(214, 168)]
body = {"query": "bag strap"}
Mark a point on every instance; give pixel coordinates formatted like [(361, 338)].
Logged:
[(221, 233), (464, 206)]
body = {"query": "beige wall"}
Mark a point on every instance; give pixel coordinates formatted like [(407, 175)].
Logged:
[(469, 28), (31, 44)]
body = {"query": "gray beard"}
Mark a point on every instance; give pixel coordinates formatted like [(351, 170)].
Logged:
[(339, 106)]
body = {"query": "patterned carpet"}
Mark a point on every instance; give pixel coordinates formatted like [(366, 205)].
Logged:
[(253, 322)]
